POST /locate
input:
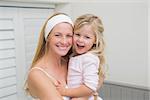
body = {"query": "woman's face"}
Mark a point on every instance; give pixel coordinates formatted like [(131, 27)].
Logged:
[(60, 39)]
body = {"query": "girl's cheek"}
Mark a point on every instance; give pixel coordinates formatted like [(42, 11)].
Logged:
[(70, 41)]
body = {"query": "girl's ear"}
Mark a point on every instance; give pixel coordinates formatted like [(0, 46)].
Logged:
[(94, 42), (94, 45)]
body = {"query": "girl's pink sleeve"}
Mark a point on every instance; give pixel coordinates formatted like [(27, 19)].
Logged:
[(90, 71)]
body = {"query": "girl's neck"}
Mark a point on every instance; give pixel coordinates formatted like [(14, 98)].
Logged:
[(76, 54)]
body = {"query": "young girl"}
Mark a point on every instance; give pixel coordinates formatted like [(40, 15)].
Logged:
[(85, 71)]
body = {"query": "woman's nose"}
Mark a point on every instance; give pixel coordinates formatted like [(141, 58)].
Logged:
[(64, 40)]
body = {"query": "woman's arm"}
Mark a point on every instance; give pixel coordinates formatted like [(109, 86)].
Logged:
[(42, 87)]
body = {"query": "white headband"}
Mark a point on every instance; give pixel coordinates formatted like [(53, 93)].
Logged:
[(56, 20)]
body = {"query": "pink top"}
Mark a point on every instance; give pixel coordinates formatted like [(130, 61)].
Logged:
[(83, 69)]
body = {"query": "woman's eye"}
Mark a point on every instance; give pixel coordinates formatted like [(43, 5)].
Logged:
[(77, 34), (57, 35), (69, 35)]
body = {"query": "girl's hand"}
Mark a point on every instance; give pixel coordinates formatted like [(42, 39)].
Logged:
[(61, 89)]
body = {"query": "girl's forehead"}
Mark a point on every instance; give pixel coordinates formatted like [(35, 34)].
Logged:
[(86, 29)]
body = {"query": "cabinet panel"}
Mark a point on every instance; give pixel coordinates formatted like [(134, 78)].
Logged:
[(19, 30), (6, 24), (7, 53), (8, 34)]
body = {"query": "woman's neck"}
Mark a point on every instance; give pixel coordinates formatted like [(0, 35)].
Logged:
[(52, 60)]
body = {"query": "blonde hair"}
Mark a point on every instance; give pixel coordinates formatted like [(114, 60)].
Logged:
[(97, 27), (42, 47)]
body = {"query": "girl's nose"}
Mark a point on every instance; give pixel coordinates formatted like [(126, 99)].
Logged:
[(80, 39)]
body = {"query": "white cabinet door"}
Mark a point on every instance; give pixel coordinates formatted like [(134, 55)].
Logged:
[(8, 81), (19, 30)]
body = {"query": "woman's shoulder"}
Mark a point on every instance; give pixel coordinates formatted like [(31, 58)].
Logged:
[(42, 73), (35, 74), (39, 83), (33, 81)]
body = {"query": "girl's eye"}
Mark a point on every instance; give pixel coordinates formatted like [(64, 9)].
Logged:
[(87, 37)]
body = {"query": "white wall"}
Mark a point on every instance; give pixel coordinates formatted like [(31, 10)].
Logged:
[(126, 36), (149, 42)]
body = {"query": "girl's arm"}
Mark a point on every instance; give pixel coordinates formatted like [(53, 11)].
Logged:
[(81, 91), (42, 87)]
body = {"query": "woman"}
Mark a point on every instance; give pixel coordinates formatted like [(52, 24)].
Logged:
[(49, 66)]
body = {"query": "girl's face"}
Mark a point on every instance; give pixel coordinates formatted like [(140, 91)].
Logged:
[(60, 39), (83, 39)]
